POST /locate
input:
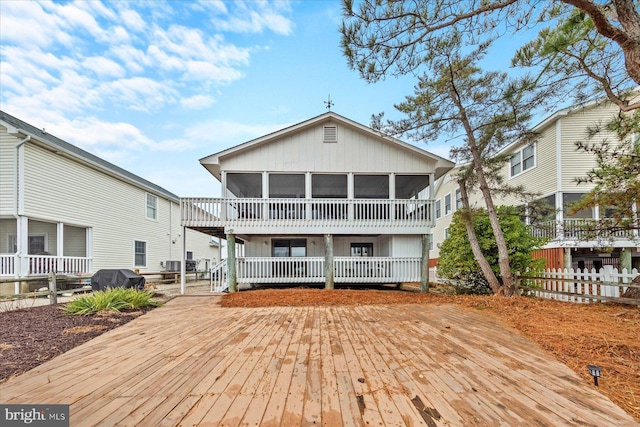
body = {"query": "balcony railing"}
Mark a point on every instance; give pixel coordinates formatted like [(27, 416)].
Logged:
[(41, 265), (311, 270), (208, 212), (580, 229)]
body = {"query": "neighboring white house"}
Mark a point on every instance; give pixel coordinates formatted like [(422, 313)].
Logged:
[(326, 200), (63, 209), (550, 167)]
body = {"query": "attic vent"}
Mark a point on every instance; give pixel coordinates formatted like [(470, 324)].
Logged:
[(330, 134)]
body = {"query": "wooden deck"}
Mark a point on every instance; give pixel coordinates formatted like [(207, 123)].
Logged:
[(194, 363)]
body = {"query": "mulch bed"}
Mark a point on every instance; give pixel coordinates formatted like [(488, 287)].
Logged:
[(31, 336)]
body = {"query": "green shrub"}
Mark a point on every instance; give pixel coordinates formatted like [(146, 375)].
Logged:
[(115, 299), (458, 265)]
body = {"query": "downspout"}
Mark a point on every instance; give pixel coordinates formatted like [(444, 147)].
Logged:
[(18, 187), (21, 263)]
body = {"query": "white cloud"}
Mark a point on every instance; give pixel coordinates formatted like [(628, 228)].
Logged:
[(103, 67), (255, 17), (197, 102), (132, 20), (65, 64), (139, 93)]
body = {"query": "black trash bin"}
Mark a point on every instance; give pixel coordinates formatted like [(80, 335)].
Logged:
[(104, 279)]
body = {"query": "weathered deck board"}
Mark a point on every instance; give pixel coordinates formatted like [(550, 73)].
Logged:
[(195, 363)]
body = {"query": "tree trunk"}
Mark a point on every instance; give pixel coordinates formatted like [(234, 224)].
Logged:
[(633, 292), (473, 240), (508, 284)]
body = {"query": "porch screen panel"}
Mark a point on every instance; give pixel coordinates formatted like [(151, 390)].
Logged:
[(329, 186), (245, 186), (569, 200), (371, 187), (410, 186), (286, 186)]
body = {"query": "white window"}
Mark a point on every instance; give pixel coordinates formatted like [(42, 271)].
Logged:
[(446, 233), (189, 255), (140, 253), (38, 244), (458, 199), (447, 204), (438, 209), (152, 207), (523, 160)]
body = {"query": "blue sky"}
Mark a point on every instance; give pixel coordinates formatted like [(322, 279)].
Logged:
[(154, 86)]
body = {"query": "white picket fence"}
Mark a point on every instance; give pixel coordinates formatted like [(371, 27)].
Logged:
[(580, 286)]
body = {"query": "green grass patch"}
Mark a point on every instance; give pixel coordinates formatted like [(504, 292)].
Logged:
[(115, 299)]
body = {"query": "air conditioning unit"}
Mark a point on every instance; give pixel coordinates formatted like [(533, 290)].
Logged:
[(172, 265)]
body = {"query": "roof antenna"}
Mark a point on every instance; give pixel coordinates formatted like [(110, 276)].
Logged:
[(328, 103)]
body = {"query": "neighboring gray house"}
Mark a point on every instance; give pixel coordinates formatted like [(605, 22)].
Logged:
[(63, 209), (326, 200)]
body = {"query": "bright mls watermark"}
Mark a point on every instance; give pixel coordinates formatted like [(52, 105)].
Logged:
[(34, 415)]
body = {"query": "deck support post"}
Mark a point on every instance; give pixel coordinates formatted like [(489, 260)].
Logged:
[(567, 261), (625, 259), (328, 261), (231, 263), (183, 261), (424, 263)]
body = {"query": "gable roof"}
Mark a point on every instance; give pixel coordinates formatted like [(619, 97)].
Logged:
[(58, 145), (212, 162)]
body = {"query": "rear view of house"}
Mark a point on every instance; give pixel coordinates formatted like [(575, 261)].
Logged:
[(326, 200), (65, 210)]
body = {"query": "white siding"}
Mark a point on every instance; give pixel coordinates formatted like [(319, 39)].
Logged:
[(576, 163), (60, 189), (406, 246), (256, 247), (542, 177), (199, 244), (305, 151), (7, 172)]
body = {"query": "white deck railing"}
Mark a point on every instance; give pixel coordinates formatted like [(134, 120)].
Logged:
[(579, 229), (311, 270), (208, 212), (41, 265), (7, 264)]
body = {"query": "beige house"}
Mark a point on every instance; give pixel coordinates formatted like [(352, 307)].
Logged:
[(63, 209), (550, 167), (326, 200)]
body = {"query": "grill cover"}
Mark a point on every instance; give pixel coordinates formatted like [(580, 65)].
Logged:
[(103, 279)]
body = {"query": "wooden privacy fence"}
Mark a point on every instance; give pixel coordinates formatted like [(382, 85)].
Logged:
[(581, 286)]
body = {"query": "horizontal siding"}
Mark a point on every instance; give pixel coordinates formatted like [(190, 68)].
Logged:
[(305, 150), (7, 172), (448, 186), (60, 189), (540, 179), (198, 243), (576, 163)]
